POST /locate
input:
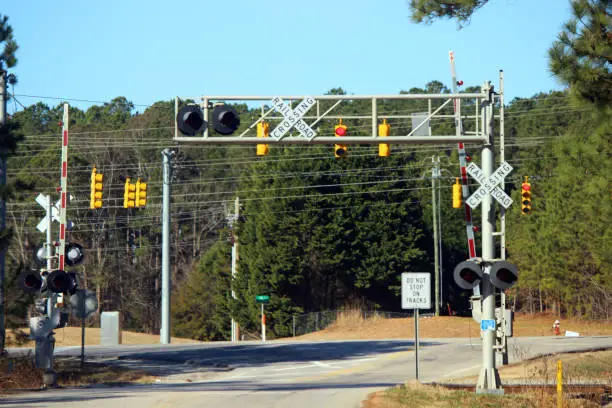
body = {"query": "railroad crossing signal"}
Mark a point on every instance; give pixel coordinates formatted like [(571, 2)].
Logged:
[(129, 194), (457, 193), (488, 185), (30, 281), (96, 189), (293, 118), (225, 119), (526, 196), (340, 130), (141, 194), (190, 120), (468, 274), (263, 130), (384, 149)]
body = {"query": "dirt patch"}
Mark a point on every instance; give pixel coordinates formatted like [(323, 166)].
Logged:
[(71, 336), (352, 326)]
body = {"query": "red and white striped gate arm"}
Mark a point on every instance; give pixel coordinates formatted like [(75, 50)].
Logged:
[(63, 189), (465, 189)]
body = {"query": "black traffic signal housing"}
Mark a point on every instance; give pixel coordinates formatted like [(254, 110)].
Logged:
[(60, 281), (74, 254), (225, 119), (190, 120), (526, 196), (503, 275), (30, 281), (467, 274)]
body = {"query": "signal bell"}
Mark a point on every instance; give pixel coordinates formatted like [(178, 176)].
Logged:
[(467, 274), (190, 120)]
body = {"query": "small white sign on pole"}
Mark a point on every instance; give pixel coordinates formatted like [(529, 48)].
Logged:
[(416, 290)]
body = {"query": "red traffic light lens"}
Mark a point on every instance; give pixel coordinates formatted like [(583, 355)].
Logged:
[(526, 186), (340, 131)]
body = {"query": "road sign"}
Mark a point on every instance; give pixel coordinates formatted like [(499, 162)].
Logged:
[(262, 299), (84, 303), (293, 118), (42, 201), (416, 290), (487, 324), (489, 185)]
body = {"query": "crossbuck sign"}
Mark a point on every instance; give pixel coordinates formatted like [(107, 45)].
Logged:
[(293, 118), (489, 185)]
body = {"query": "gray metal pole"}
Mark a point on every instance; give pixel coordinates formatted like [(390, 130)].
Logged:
[(416, 343), (165, 289), (488, 380), (434, 176), (3, 98)]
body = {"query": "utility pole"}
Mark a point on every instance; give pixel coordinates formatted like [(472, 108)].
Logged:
[(164, 332), (434, 176), (3, 99), (235, 328)]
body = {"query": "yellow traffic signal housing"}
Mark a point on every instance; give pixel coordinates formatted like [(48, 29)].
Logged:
[(141, 194), (457, 193), (526, 196), (263, 130), (96, 189), (129, 194), (339, 149), (384, 149)]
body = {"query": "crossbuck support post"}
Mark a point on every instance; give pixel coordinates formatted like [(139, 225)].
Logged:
[(488, 380)]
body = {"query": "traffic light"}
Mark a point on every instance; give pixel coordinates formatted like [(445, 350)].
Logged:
[(457, 193), (467, 274), (30, 281), (96, 189), (141, 194), (384, 149), (526, 196), (263, 130), (340, 130), (225, 119), (190, 120), (503, 275), (59, 281), (129, 194)]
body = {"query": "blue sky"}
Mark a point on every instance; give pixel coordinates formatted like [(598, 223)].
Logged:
[(154, 50)]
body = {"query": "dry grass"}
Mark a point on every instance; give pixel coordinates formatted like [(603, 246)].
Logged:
[(71, 336), (351, 325), (20, 373), (418, 395)]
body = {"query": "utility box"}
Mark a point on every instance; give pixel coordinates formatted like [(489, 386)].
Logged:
[(110, 329)]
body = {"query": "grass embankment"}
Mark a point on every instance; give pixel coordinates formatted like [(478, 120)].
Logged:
[(351, 325), (577, 368), (20, 373)]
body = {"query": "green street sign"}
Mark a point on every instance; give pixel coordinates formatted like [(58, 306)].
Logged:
[(262, 298)]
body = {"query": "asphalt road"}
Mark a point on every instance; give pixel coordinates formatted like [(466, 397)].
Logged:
[(283, 374)]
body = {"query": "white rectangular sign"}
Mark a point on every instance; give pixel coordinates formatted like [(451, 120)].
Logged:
[(416, 290)]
